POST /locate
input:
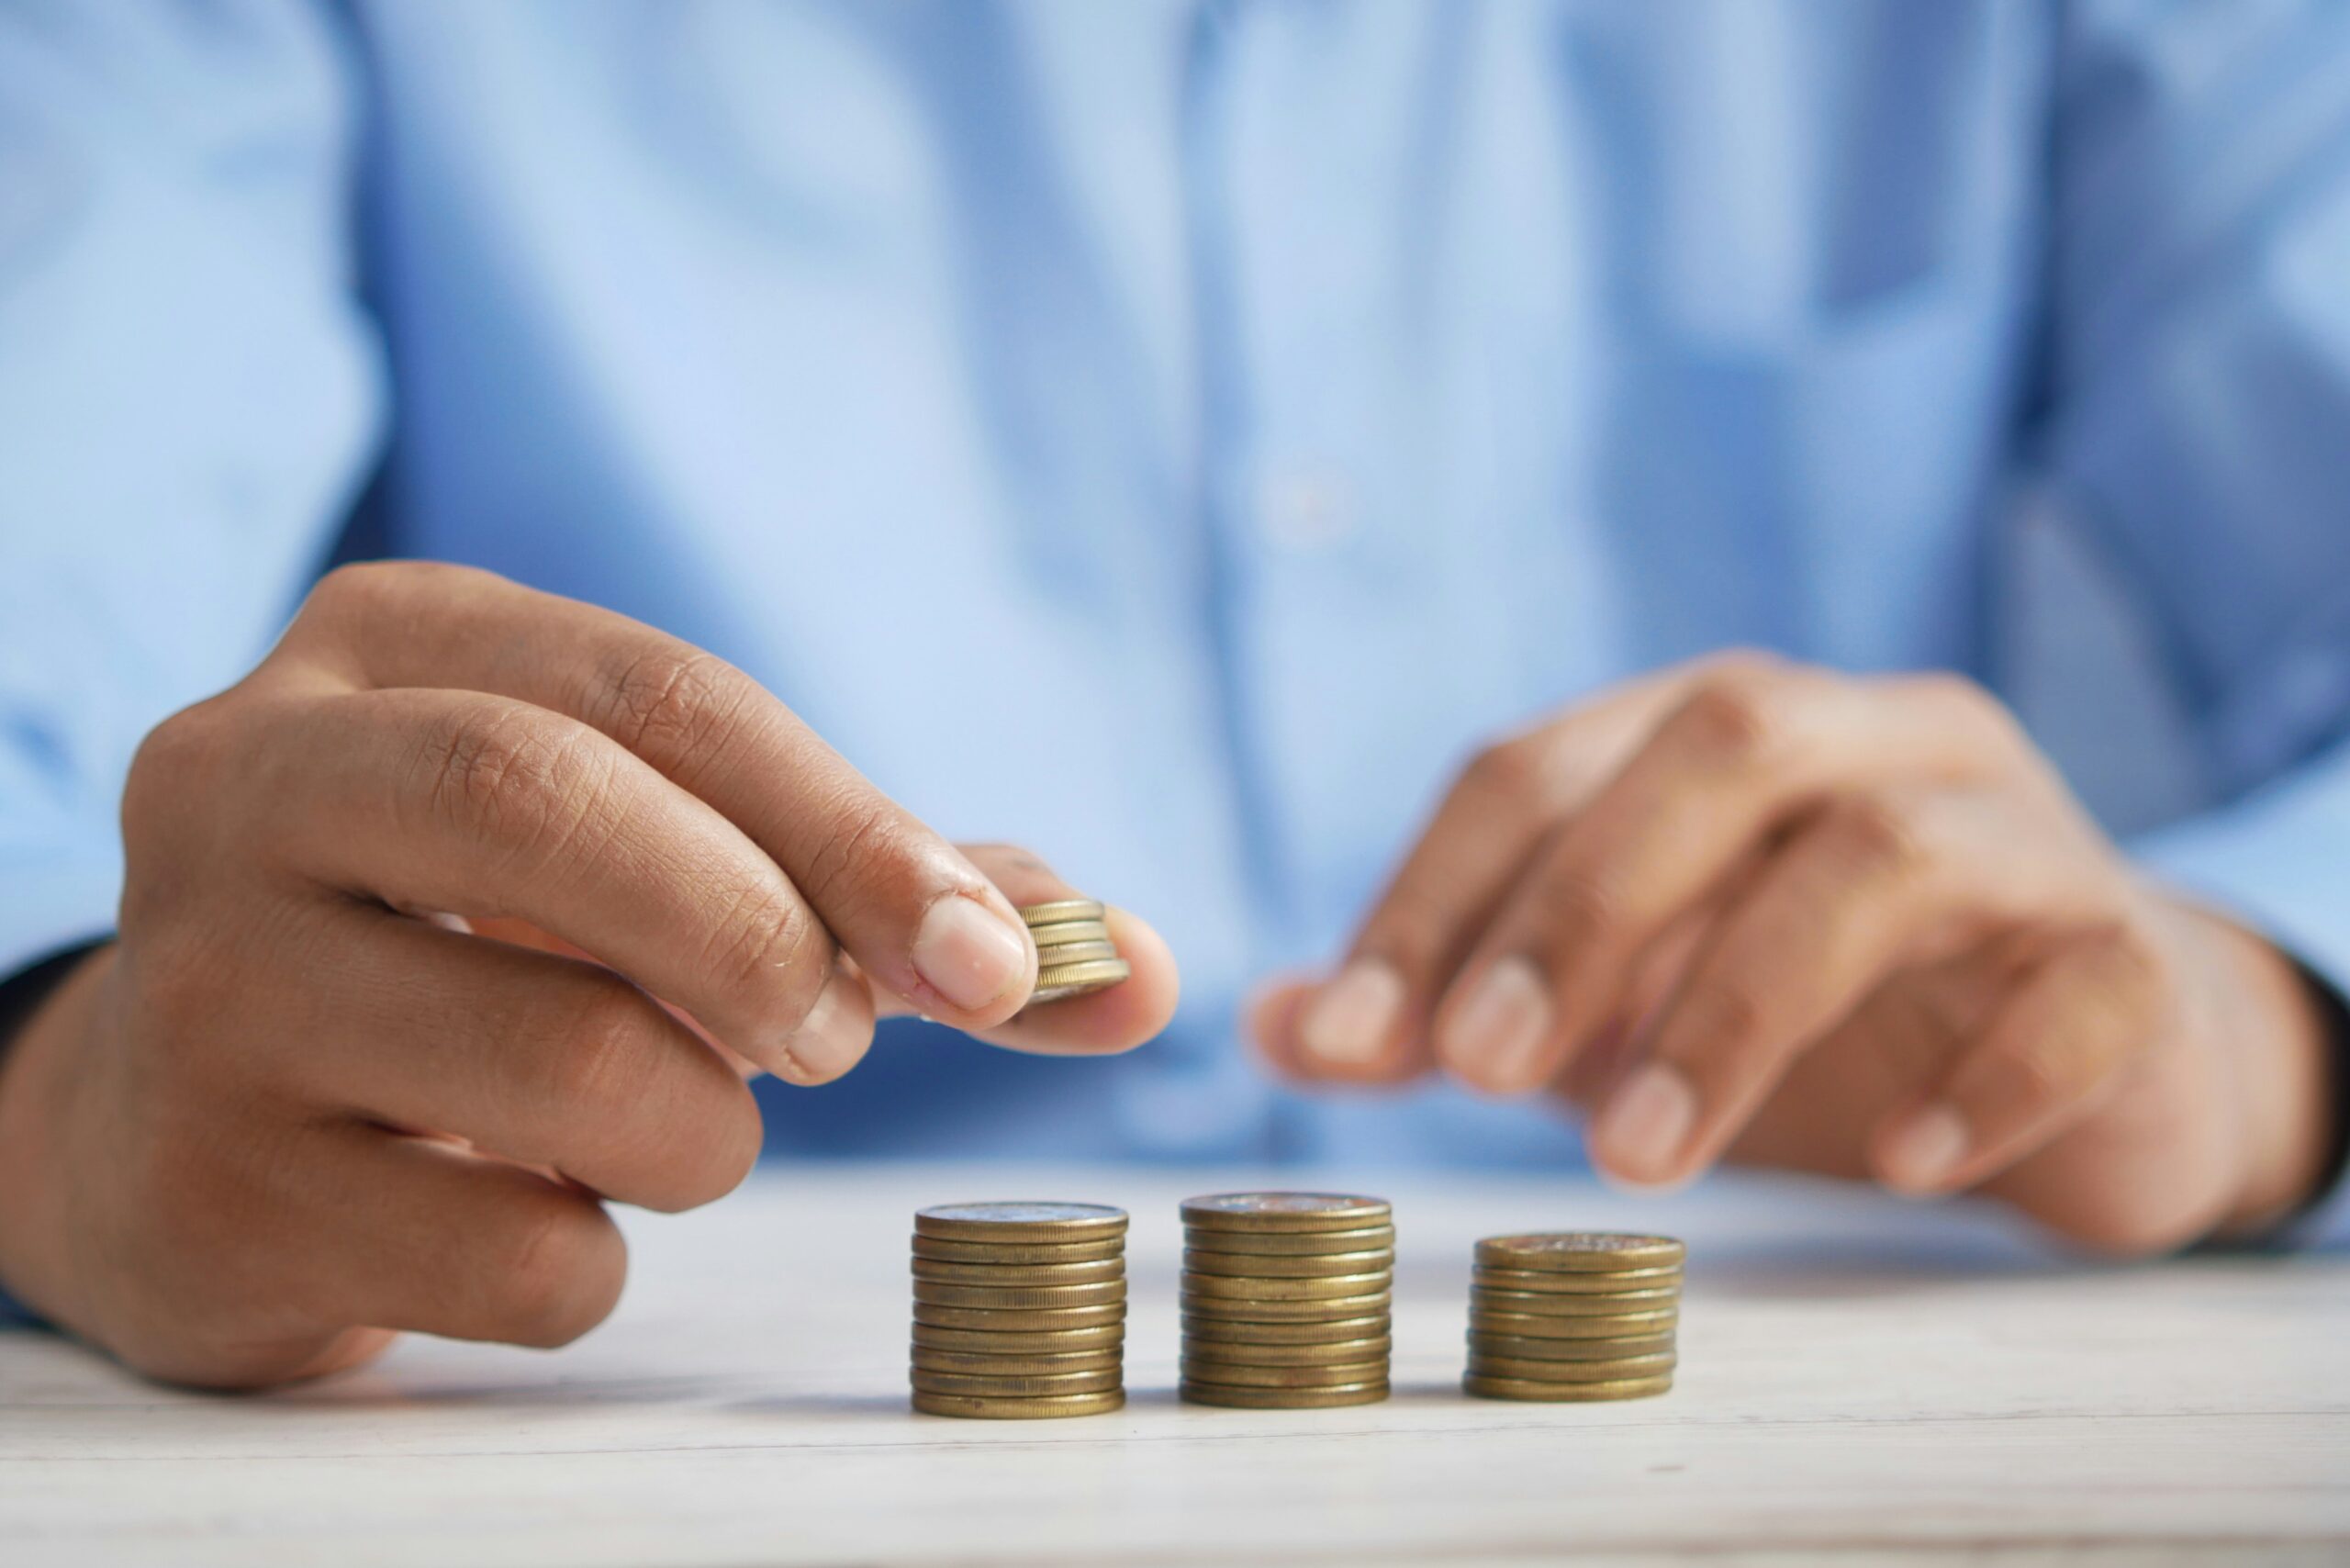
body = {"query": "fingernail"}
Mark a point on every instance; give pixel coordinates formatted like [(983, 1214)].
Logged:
[(1497, 1034), (1644, 1126), (834, 1035), (1350, 1019), (1921, 1152), (967, 954)]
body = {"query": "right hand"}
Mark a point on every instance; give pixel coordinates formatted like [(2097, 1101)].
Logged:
[(298, 1104)]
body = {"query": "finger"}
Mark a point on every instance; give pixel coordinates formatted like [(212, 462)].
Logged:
[(919, 918), (1368, 1021), (1869, 884), (422, 1235), (2041, 1066), (1746, 749), (450, 799), (545, 1061), (1120, 1018)]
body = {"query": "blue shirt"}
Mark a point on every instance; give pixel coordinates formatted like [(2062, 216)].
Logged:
[(1171, 435)]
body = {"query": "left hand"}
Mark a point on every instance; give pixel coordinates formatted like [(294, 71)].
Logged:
[(1850, 924)]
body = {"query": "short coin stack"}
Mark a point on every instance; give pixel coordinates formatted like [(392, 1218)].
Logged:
[(1285, 1300), (1573, 1315), (1020, 1309), (1074, 953)]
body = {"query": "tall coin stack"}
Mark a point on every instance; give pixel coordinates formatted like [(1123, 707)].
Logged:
[(1074, 953), (1285, 1300), (1573, 1315), (1020, 1309)]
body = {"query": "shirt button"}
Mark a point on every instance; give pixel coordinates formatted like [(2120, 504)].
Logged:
[(1306, 513)]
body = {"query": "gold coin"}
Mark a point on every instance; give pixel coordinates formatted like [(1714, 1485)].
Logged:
[(1587, 1282), (1565, 1392), (1571, 1372), (1282, 1398), (1021, 1222), (1253, 1266), (1000, 1252), (1015, 1386), (1059, 909), (1522, 1347), (1067, 933), (1224, 1374), (1102, 1292), (1021, 1320), (1102, 1339), (1056, 982), (1527, 1325), (1339, 1352), (1075, 953), (1326, 1311), (989, 1407), (1549, 1303), (1333, 1331), (1278, 1244), (1221, 1287), (1579, 1249), (1289, 1212), (983, 1364), (1092, 1272)]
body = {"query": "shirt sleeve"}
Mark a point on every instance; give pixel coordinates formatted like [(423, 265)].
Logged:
[(188, 395), (2198, 419)]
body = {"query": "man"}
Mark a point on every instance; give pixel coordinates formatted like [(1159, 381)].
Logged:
[(1172, 436)]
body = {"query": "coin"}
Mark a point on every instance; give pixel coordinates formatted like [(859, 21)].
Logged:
[(1523, 1348), (1576, 1249), (1338, 1330), (986, 1363), (1109, 1337), (1005, 1321), (1481, 1365), (1282, 1398), (1016, 1386), (1057, 981), (1225, 1374), (989, 1408), (1244, 1265), (1060, 909), (1198, 1352), (1551, 1304), (1221, 1287), (1068, 934), (1091, 1272), (1068, 953), (1565, 1392), (1286, 1211), (1587, 1282), (1099, 1294), (1021, 1222), (1324, 1311), (1279, 1244), (1532, 1327), (999, 1252)]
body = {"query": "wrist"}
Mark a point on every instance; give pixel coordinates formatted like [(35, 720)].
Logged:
[(36, 1074)]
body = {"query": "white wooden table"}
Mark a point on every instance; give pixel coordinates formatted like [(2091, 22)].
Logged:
[(1859, 1379)]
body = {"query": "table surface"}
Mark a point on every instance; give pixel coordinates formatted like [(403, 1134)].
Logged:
[(1859, 1379)]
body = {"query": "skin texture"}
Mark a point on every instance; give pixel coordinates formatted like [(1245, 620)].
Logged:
[(1750, 911), (466, 913)]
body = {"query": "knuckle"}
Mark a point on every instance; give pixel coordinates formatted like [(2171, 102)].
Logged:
[(600, 1066), (770, 950), (1577, 907), (1732, 717), (1975, 707), (562, 1275), (1509, 773), (1877, 835), (1730, 1015), (867, 833), (1415, 922), (512, 782), (677, 708)]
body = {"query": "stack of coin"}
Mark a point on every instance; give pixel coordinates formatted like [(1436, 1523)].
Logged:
[(1020, 1309), (1573, 1314), (1286, 1299), (1074, 953)]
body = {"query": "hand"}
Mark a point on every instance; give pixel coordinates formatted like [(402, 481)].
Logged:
[(298, 1105), (1854, 925)]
